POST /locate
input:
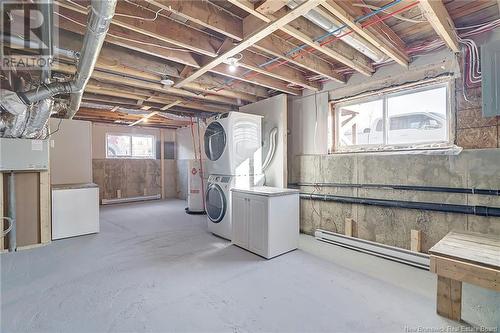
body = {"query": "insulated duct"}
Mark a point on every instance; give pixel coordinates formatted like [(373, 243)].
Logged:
[(15, 121)]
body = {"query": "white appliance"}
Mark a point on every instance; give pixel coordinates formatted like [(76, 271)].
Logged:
[(233, 144), (195, 188), (265, 220), (75, 210), (218, 200)]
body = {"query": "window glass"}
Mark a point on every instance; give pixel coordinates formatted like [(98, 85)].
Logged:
[(118, 145), (361, 124), (142, 146), (418, 117), (130, 146)]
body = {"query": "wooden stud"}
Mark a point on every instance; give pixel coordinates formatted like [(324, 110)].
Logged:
[(449, 298), (45, 207), (438, 17), (2, 224), (162, 162), (416, 240), (349, 227), (252, 39), (269, 7)]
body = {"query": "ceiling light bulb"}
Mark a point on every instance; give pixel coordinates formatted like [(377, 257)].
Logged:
[(232, 68)]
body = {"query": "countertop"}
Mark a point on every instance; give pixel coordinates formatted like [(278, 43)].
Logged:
[(73, 186), (266, 191)]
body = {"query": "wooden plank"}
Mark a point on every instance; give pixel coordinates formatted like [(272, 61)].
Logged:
[(154, 113), (471, 247), (162, 162), (45, 211), (349, 227), (416, 240), (438, 17), (269, 7), (449, 298), (482, 276), (2, 224), (178, 34), (398, 56), (205, 14), (77, 22), (252, 39), (304, 31)]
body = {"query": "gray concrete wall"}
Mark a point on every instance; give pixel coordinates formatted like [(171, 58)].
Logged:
[(470, 169)]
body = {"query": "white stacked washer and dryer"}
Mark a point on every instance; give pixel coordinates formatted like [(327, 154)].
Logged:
[(232, 145)]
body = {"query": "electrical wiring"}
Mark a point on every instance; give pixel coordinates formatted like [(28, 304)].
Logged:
[(302, 48), (399, 17)]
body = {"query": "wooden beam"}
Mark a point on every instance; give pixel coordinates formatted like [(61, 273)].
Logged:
[(278, 47), (269, 82), (416, 240), (76, 22), (205, 14), (440, 20), (154, 113), (252, 39), (304, 31), (253, 61), (397, 55), (178, 34), (269, 7)]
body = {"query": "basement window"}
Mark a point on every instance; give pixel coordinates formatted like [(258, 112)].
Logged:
[(410, 119), (130, 146)]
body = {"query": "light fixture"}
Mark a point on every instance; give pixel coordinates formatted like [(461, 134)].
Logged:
[(233, 62), (167, 82)]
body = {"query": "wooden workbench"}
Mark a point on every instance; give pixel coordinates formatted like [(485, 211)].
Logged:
[(464, 257)]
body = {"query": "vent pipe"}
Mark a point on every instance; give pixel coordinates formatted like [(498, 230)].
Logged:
[(101, 13)]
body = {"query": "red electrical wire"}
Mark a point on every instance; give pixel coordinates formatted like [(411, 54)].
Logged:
[(308, 50)]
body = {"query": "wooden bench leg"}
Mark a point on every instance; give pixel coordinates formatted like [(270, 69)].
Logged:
[(449, 298)]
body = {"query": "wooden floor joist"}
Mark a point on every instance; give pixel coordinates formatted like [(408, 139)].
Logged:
[(438, 17), (252, 39)]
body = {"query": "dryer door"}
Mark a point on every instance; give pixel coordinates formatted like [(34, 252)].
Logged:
[(216, 204), (215, 141)]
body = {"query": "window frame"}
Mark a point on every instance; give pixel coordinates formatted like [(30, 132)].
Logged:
[(384, 96), (130, 135)]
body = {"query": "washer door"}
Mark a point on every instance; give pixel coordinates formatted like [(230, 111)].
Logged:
[(216, 203), (215, 141)]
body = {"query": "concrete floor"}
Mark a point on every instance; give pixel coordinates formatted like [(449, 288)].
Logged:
[(152, 268)]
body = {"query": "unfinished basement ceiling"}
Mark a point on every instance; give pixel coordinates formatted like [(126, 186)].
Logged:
[(163, 53)]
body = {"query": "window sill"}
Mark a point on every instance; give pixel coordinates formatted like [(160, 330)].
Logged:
[(425, 150)]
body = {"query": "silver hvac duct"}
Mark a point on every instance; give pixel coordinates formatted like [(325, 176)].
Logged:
[(324, 23), (102, 12), (19, 42)]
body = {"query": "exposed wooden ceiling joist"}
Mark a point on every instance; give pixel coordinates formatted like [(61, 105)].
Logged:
[(154, 113), (178, 34), (205, 14), (390, 50), (440, 20), (252, 39), (305, 31), (269, 7)]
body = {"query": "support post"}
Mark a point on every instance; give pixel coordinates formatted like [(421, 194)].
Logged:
[(11, 211), (449, 298), (349, 227), (162, 162), (416, 240)]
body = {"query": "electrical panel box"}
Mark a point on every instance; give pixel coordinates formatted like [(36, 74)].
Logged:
[(490, 71), (23, 154)]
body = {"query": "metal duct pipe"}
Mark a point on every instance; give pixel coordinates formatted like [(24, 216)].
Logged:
[(11, 211), (19, 42), (102, 12), (46, 36), (325, 23)]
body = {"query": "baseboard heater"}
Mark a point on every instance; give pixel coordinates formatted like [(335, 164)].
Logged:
[(131, 199), (407, 257)]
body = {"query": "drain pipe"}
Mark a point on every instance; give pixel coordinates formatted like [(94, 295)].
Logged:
[(11, 211), (102, 12)]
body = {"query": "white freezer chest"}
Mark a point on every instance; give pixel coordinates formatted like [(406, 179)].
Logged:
[(265, 220)]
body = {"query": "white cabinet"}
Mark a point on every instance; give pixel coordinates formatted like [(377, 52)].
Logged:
[(265, 220)]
